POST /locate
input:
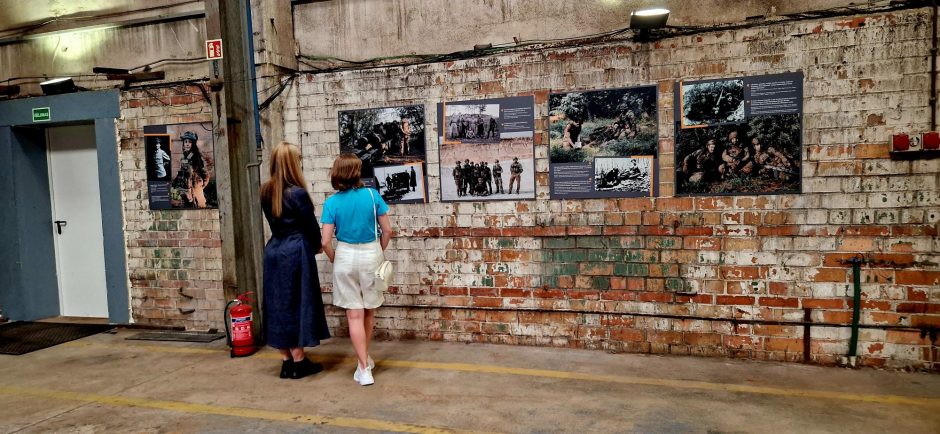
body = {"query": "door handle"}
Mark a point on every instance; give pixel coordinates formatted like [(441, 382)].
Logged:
[(59, 224)]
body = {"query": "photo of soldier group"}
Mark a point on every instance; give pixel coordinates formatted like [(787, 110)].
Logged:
[(383, 136), (487, 150), (401, 183), (472, 122), (761, 156), (615, 122), (633, 174), (712, 102)]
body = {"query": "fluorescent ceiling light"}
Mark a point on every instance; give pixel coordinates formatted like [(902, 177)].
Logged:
[(651, 12)]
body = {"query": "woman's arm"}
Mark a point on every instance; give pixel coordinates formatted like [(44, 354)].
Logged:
[(326, 237), (386, 224)]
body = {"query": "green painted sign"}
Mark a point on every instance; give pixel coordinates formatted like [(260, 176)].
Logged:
[(42, 114)]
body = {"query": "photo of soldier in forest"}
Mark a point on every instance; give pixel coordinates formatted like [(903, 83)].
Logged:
[(383, 136), (761, 156), (714, 102), (615, 122)]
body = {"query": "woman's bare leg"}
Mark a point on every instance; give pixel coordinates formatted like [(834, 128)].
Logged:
[(357, 333)]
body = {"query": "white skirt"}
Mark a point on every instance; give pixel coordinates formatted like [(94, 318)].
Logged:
[(354, 276)]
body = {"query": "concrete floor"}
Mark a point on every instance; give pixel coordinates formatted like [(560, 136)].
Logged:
[(105, 383)]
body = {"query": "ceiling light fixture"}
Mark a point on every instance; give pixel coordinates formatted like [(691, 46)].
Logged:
[(58, 86), (646, 19)]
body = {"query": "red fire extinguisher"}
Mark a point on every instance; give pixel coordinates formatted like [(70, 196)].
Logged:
[(238, 326)]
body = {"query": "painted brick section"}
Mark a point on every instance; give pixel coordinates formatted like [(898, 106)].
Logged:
[(766, 257), (174, 257)]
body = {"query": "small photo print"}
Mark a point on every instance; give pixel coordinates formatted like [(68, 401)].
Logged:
[(626, 174), (401, 183), (712, 103), (158, 157), (472, 123)]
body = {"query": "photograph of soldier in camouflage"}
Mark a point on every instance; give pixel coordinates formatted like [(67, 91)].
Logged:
[(614, 122), (761, 156), (623, 174), (713, 102), (383, 136), (481, 159), (401, 183)]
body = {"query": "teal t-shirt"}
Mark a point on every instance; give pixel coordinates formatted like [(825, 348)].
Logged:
[(352, 213)]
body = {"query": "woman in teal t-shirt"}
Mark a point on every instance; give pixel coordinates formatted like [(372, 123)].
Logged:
[(354, 215)]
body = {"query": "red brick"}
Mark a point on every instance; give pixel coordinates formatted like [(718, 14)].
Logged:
[(627, 335), (918, 277), (783, 344), (830, 275), (674, 204), (620, 230), (779, 302), (906, 337), (785, 230), (738, 300), (824, 303)]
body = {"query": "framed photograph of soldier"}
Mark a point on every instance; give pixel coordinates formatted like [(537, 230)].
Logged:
[(754, 147), (586, 126), (487, 149), (180, 163), (385, 136), (632, 176), (402, 183)]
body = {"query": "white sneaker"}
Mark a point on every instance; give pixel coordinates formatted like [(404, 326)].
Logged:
[(369, 364), (365, 377)]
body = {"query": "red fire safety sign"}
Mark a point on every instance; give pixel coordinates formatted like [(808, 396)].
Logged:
[(214, 49)]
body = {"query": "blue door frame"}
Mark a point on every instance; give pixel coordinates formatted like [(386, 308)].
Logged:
[(28, 286)]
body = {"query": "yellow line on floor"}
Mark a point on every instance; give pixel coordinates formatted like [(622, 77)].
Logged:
[(186, 407), (567, 375)]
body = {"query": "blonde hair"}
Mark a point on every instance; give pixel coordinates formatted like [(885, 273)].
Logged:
[(346, 173), (285, 172)]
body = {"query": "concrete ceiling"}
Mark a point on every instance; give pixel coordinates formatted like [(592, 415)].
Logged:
[(21, 15)]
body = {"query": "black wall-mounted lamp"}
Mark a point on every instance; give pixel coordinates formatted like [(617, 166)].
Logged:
[(58, 86), (647, 20)]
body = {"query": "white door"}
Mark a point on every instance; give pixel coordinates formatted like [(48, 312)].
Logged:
[(76, 207)]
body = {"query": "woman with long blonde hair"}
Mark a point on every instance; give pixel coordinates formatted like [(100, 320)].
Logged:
[(358, 217), (293, 305)]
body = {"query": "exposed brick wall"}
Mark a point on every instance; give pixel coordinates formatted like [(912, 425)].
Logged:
[(174, 257), (746, 257)]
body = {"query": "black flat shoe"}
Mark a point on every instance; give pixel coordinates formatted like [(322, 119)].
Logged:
[(287, 367), (304, 368)]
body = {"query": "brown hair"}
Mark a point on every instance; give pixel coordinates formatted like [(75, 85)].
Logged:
[(346, 172), (285, 172)]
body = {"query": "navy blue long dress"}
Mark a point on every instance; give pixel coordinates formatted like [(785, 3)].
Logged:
[(293, 306)]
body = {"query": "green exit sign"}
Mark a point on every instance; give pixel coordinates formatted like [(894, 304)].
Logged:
[(42, 114)]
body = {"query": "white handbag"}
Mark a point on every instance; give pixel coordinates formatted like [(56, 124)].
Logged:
[(385, 271)]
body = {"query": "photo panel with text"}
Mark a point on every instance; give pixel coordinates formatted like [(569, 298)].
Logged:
[(487, 149), (739, 136), (587, 126)]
